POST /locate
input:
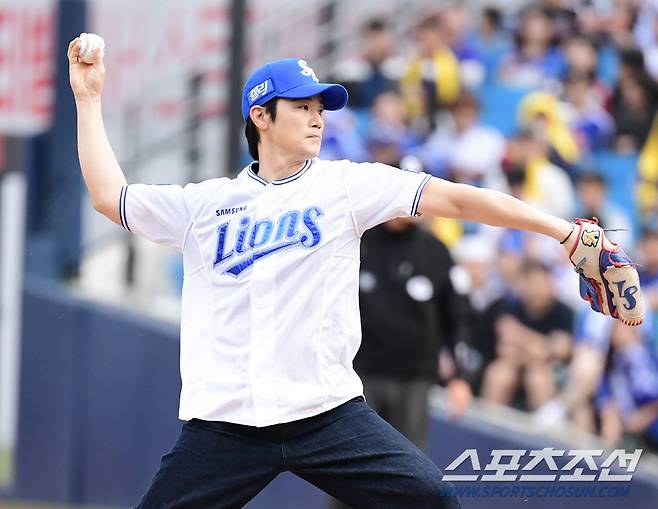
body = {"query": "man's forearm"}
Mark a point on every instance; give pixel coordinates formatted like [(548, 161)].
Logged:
[(100, 167), (447, 199), (500, 209)]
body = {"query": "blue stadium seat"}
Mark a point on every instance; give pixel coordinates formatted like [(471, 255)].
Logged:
[(363, 116), (498, 106), (620, 172)]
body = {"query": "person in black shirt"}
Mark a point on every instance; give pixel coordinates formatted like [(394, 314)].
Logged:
[(408, 309), (533, 339)]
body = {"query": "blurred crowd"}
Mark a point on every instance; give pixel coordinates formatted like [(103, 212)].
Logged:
[(555, 104)]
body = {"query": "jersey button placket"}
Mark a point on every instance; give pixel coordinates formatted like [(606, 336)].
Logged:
[(263, 336)]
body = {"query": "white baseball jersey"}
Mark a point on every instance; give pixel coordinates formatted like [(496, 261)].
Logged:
[(270, 314)]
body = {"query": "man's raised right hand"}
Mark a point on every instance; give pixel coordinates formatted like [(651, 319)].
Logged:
[(86, 79)]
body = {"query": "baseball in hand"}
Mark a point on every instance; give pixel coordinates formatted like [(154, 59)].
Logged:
[(89, 43)]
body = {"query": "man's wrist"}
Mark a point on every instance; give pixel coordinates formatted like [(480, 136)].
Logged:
[(87, 101), (573, 227)]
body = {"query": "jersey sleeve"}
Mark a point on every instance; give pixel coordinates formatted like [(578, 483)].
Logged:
[(379, 192), (161, 213)]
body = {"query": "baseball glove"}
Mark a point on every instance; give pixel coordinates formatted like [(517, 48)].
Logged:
[(608, 278)]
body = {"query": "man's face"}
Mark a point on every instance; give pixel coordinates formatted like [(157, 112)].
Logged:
[(536, 27), (465, 116), (298, 127), (537, 289), (592, 194), (378, 45), (427, 41)]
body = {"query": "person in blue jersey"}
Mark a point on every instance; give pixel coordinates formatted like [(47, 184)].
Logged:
[(627, 397)]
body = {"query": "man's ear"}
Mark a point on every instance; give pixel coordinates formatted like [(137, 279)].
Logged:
[(259, 117)]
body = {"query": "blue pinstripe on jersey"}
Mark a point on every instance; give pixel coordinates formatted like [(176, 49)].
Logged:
[(286, 180), (419, 193)]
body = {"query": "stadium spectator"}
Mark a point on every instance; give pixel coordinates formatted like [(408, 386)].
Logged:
[(542, 114), (375, 71), (646, 35), (617, 23), (491, 41), (575, 401), (455, 23), (533, 340), (408, 309), (633, 109), (593, 202), (627, 398), (563, 15), (648, 270), (537, 61), (543, 183), (431, 80), (591, 124), (475, 277), (581, 57), (389, 137), (583, 67), (631, 65), (463, 149)]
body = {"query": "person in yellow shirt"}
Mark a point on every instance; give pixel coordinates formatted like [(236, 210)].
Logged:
[(431, 80)]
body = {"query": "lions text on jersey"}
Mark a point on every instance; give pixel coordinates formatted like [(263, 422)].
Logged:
[(270, 315)]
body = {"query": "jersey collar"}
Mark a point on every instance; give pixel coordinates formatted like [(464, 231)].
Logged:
[(252, 175)]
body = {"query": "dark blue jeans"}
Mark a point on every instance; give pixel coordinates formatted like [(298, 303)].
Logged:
[(349, 452)]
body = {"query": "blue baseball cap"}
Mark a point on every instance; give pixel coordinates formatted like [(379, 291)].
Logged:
[(291, 78)]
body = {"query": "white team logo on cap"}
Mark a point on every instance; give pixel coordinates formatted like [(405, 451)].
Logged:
[(306, 70)]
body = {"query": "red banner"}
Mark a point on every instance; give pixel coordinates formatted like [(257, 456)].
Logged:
[(26, 65)]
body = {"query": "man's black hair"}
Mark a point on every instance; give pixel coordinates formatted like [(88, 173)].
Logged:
[(592, 176), (633, 58), (494, 16), (530, 265), (375, 25), (251, 132)]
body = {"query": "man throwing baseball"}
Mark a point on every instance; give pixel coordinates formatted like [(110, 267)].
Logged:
[(270, 316)]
